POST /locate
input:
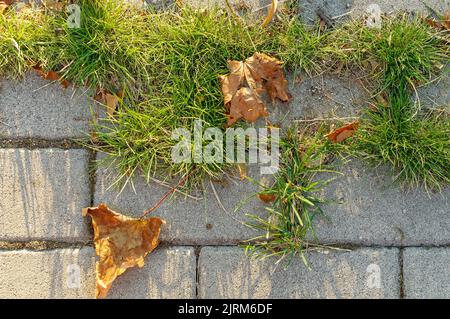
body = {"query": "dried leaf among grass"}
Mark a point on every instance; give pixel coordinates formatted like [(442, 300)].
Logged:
[(343, 132), (443, 23), (120, 242), (51, 76), (247, 81), (110, 100), (266, 198)]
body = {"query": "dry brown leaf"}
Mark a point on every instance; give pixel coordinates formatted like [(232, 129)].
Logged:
[(111, 103), (246, 105), (121, 242), (232, 82), (108, 99), (443, 23), (7, 2), (269, 70), (446, 21), (243, 86), (343, 132), (64, 83), (267, 198), (51, 76), (434, 24)]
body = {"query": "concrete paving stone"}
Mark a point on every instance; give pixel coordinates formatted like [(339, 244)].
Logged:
[(226, 272), (436, 95), (189, 221), (70, 273), (42, 194), (391, 7), (324, 96), (367, 208), (38, 108), (370, 209), (340, 10), (426, 273), (169, 273), (255, 6)]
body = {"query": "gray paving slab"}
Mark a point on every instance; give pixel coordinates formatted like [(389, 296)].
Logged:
[(38, 108), (225, 272), (359, 7), (426, 273), (42, 194), (324, 96), (341, 10), (369, 209), (189, 221), (70, 273), (435, 95)]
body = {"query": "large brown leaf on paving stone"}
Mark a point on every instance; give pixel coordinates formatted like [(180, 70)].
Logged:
[(246, 105), (233, 81), (247, 81), (121, 242), (268, 69)]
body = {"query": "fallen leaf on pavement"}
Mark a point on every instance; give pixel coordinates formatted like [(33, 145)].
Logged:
[(246, 105), (441, 23), (268, 70), (121, 242), (51, 76), (343, 132), (266, 198), (108, 99), (247, 80)]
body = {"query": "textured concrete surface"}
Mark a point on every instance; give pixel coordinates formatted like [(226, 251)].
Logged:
[(168, 273), (370, 210), (38, 108), (426, 273), (61, 273), (435, 95), (190, 221), (42, 194), (324, 96), (225, 272), (367, 209), (389, 7), (340, 10), (70, 273)]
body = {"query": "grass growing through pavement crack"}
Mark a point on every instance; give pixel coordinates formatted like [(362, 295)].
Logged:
[(297, 196), (415, 141)]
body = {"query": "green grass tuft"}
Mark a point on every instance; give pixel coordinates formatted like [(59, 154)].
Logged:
[(418, 148), (27, 38), (190, 49), (288, 230)]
